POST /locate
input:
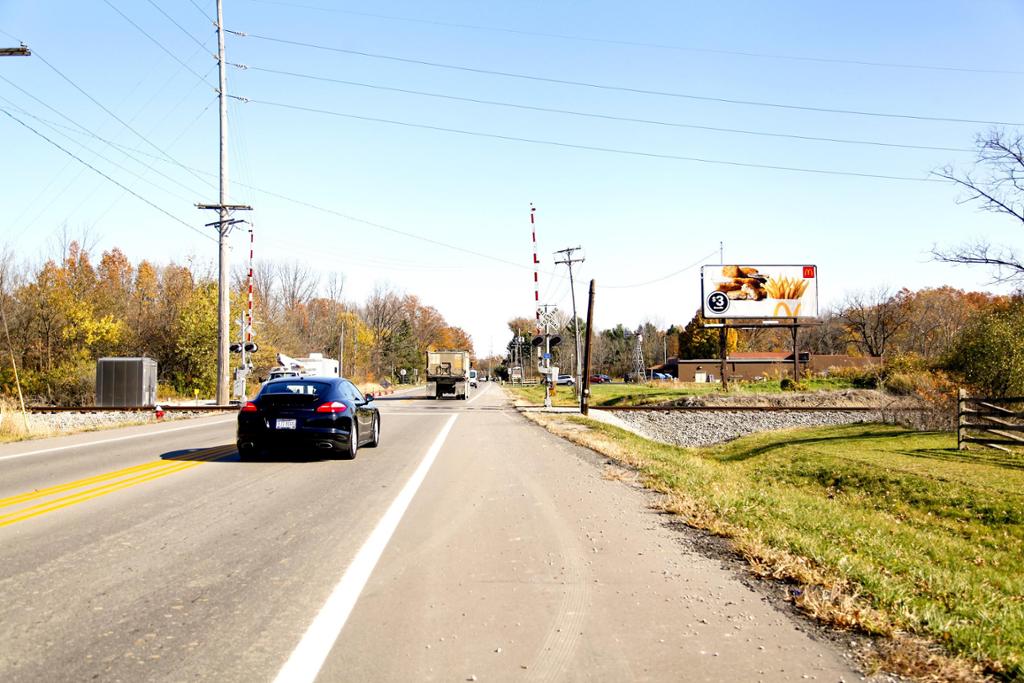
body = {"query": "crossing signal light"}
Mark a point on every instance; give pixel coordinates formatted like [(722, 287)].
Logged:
[(251, 347), (538, 340), (235, 348), (555, 340)]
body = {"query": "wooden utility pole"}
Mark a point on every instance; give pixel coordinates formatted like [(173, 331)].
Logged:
[(796, 352), (20, 51), (14, 364), (723, 336), (569, 261), (585, 393)]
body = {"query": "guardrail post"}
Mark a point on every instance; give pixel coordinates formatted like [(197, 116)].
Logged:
[(961, 403)]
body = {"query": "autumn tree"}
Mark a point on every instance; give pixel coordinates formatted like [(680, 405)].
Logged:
[(988, 354), (875, 317), (698, 341)]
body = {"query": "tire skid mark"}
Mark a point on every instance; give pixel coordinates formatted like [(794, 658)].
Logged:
[(563, 636)]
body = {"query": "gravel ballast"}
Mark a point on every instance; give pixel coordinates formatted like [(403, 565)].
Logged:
[(694, 428), (68, 422)]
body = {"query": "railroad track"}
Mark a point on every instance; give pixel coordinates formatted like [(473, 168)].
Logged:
[(130, 409), (750, 408)]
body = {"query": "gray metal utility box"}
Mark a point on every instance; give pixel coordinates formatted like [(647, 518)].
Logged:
[(128, 382)]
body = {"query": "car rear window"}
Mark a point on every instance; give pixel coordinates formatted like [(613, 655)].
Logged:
[(300, 388)]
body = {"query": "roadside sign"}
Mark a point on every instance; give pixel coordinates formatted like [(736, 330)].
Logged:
[(759, 291), (547, 356)]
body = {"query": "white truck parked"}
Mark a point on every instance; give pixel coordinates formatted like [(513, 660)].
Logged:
[(314, 365), (447, 374)]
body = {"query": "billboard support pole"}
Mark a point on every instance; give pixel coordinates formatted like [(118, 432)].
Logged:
[(723, 334), (796, 352)]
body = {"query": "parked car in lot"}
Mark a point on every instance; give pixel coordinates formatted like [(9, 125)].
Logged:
[(660, 375), (600, 379), (302, 414), (565, 379)]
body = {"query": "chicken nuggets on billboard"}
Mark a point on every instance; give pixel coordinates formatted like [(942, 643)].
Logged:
[(759, 291)]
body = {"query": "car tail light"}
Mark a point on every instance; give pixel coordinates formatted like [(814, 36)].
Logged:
[(332, 407), (249, 407)]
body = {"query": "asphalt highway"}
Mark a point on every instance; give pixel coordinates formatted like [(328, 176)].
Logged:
[(470, 545)]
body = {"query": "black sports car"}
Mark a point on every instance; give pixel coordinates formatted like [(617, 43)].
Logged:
[(328, 414)]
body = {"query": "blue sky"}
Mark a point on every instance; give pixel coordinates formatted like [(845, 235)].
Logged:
[(639, 218)]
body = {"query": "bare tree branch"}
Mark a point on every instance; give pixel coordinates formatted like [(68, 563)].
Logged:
[(997, 185)]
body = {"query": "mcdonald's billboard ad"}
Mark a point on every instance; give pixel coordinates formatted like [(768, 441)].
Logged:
[(759, 291)]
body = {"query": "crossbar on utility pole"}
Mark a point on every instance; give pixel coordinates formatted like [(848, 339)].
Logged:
[(223, 225), (569, 261), (21, 51)]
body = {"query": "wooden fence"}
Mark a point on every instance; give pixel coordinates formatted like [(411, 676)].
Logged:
[(991, 422)]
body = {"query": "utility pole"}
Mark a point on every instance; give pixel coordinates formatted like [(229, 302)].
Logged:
[(21, 51), (568, 260), (224, 224), (585, 394), (341, 350)]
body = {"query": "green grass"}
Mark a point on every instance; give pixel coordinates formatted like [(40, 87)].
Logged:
[(933, 537), (661, 392)]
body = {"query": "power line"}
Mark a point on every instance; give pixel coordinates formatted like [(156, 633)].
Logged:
[(158, 43), (380, 226), (593, 148), (137, 175), (608, 117), (348, 217), (180, 27), (115, 116), (92, 134), (619, 88), (202, 11), (660, 46), (665, 277), (123, 187)]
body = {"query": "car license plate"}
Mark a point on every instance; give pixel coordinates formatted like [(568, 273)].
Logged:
[(284, 424)]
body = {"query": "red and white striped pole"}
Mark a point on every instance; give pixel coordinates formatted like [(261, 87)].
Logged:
[(536, 263), (248, 317)]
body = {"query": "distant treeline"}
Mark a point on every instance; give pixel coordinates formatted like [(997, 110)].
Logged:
[(64, 314)]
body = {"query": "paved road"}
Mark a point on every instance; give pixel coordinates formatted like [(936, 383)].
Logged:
[(471, 543)]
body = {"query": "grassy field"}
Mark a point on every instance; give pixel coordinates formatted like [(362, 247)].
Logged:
[(659, 392), (888, 530)]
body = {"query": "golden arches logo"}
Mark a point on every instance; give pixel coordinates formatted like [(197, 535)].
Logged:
[(782, 310)]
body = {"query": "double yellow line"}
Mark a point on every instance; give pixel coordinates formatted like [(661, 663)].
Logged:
[(102, 484)]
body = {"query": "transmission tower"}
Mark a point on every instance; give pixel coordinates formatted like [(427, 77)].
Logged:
[(639, 366)]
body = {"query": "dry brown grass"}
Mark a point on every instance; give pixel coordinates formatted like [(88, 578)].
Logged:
[(824, 596), (12, 424)]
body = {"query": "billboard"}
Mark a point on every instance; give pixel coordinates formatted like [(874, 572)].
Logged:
[(759, 291)]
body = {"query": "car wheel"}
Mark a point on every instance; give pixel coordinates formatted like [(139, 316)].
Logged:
[(353, 443), (247, 453), (375, 439)]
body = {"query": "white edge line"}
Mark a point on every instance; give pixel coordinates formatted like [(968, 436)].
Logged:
[(118, 438), (479, 393), (309, 655)]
